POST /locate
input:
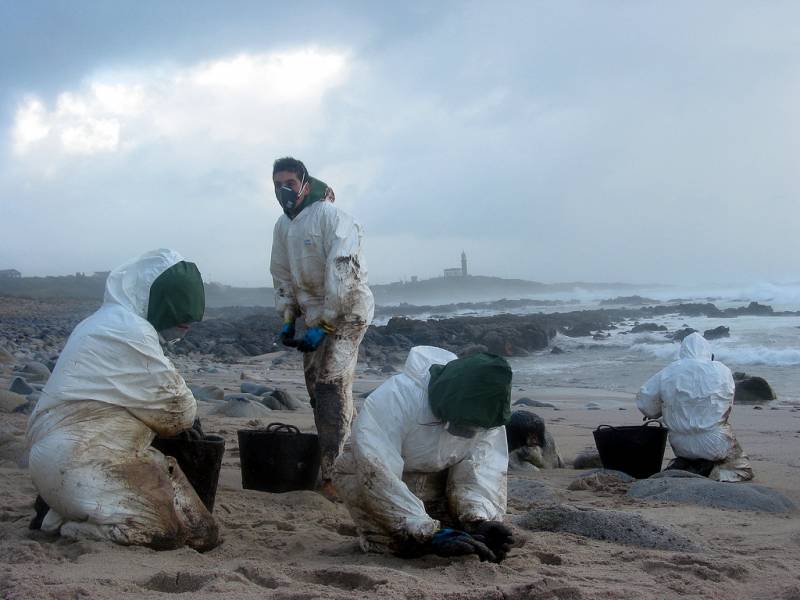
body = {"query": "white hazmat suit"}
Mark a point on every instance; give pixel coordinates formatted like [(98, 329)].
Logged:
[(397, 443), (319, 273), (694, 395), (111, 392)]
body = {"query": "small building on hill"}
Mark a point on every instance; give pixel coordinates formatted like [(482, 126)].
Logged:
[(10, 274)]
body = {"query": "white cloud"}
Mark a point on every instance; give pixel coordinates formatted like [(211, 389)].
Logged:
[(248, 99)]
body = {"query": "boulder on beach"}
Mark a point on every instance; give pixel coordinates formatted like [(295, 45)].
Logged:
[(239, 405), (688, 488), (752, 390), (588, 458), (607, 525), (717, 333), (681, 333), (20, 386), (647, 327), (208, 393), (556, 350), (34, 371), (288, 401), (257, 389)]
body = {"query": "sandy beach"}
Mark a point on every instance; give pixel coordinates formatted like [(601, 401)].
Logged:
[(299, 545)]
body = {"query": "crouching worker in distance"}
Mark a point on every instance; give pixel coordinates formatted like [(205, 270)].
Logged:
[(111, 392), (425, 469), (694, 395)]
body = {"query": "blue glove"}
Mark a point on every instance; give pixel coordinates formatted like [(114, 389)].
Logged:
[(451, 542), (287, 334), (312, 339)]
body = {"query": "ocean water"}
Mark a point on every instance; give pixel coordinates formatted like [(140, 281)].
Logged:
[(765, 346)]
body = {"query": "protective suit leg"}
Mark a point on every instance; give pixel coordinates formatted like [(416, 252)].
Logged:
[(736, 467), (329, 373), (142, 500)]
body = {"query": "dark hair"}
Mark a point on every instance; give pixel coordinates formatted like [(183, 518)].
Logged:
[(521, 425), (292, 165)]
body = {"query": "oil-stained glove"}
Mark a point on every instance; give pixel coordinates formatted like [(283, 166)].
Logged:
[(314, 337), (451, 542), (287, 334), (498, 537)]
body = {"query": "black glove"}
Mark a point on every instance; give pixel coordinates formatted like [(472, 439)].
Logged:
[(497, 537), (287, 334), (451, 542)]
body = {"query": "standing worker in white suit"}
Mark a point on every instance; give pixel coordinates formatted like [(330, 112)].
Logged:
[(319, 273), (112, 391), (694, 396)]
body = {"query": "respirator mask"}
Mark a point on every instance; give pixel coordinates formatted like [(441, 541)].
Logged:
[(289, 199)]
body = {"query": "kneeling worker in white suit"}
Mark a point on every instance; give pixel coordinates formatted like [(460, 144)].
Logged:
[(694, 395), (111, 392), (432, 440)]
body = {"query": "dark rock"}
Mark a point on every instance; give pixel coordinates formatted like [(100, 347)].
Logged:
[(34, 371), (675, 487), (647, 327), (386, 369), (208, 393), (271, 402), (717, 333), (238, 405), (589, 458), (251, 387), (472, 349), (288, 401), (608, 525), (556, 350), (679, 335), (20, 386), (753, 390), (534, 403), (27, 407)]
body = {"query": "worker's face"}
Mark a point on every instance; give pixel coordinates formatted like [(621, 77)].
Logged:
[(292, 181)]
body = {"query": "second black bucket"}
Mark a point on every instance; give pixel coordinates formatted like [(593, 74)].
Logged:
[(278, 459), (637, 450), (200, 461)]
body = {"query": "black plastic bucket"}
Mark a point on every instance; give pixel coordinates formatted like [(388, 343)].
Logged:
[(637, 450), (200, 461), (278, 459)]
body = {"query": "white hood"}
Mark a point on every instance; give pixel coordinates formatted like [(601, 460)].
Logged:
[(695, 346)]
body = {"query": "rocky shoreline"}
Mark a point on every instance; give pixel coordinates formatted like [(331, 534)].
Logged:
[(37, 329)]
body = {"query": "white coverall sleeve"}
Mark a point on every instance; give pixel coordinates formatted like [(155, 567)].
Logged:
[(346, 291), (477, 486), (172, 407), (285, 301), (377, 441), (648, 400)]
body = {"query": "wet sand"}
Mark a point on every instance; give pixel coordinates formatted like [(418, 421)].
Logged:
[(299, 545)]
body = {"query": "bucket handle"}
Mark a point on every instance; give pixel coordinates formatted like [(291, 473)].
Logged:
[(276, 427), (645, 424)]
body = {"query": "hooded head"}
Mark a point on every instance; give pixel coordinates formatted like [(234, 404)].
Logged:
[(474, 391), (695, 346), (158, 286)]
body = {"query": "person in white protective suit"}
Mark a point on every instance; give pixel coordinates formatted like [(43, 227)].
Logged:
[(425, 469), (694, 396), (111, 392), (319, 273)]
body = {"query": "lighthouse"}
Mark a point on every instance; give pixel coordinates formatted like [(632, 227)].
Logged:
[(463, 264)]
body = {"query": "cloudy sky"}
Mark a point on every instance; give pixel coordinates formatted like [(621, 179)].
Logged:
[(554, 141)]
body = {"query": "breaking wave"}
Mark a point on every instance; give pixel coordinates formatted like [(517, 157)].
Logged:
[(740, 355)]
